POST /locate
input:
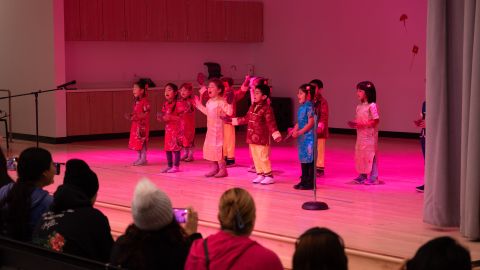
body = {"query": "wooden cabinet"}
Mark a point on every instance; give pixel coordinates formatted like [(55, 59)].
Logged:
[(102, 112), (78, 114), (164, 20)]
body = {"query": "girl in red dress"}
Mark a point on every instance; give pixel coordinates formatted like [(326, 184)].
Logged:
[(186, 106), (170, 115), (140, 118)]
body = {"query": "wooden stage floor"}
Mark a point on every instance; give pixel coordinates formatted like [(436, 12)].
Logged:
[(383, 219)]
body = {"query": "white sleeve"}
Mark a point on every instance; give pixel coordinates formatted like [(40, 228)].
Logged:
[(374, 110)]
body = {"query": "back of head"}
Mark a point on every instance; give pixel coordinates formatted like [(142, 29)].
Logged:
[(188, 86), (79, 175), (320, 248), (236, 211), (151, 207), (369, 89), (441, 254), (32, 163)]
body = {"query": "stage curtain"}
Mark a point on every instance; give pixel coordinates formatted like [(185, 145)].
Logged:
[(452, 173)]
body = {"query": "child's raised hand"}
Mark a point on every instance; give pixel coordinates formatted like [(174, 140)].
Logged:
[(197, 101), (352, 124), (160, 116), (278, 139), (128, 116)]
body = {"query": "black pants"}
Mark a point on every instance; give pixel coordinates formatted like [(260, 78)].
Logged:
[(307, 173), (173, 159)]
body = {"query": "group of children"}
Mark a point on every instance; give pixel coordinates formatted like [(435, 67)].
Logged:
[(178, 114)]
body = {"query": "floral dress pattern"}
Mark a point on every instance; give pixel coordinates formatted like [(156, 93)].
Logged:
[(139, 131), (305, 141), (173, 140)]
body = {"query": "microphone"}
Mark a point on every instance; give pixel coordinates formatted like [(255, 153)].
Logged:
[(62, 86)]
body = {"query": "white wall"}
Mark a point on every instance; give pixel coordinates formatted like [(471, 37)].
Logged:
[(98, 64), (343, 42), (29, 62)]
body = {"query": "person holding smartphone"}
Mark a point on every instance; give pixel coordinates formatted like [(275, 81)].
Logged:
[(24, 201), (155, 240)]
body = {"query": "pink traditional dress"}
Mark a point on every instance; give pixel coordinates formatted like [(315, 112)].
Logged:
[(366, 146), (187, 121), (214, 109), (139, 131), (173, 140)]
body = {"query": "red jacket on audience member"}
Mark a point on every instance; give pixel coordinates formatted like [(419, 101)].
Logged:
[(227, 251)]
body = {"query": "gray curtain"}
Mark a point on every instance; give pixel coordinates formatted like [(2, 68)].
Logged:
[(452, 173)]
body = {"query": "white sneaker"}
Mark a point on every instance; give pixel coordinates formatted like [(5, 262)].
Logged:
[(258, 179), (267, 180), (174, 169), (252, 169)]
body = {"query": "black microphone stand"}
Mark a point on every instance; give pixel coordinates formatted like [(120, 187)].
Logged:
[(315, 205), (61, 87)]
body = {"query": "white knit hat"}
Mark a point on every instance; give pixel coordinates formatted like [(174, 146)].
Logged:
[(151, 207)]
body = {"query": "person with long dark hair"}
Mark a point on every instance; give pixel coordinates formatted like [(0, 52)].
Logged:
[(366, 124), (73, 225), (22, 203), (155, 240), (319, 248)]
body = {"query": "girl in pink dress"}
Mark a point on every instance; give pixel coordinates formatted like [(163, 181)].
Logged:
[(140, 118), (170, 115), (215, 109), (366, 123)]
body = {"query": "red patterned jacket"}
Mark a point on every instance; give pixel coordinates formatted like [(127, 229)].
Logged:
[(321, 110), (261, 123)]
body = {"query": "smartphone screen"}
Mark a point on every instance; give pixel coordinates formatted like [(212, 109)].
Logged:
[(180, 214)]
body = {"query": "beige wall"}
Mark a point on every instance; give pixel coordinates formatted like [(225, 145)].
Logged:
[(31, 60)]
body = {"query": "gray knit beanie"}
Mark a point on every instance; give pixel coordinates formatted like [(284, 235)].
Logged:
[(151, 207)]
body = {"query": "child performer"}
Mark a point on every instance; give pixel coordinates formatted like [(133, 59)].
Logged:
[(140, 117), (261, 124), (321, 110), (232, 97), (215, 108), (366, 123), (303, 130), (421, 124), (169, 115), (186, 106)]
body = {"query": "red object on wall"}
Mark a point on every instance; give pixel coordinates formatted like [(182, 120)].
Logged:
[(72, 20), (415, 49), (91, 20)]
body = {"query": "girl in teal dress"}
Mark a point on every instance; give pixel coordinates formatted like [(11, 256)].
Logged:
[(303, 131)]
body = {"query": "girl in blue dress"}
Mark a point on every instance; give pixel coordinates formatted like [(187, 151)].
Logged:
[(303, 131)]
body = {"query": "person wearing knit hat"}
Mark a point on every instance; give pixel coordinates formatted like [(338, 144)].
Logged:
[(73, 225), (155, 240), (79, 175), (151, 207)]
